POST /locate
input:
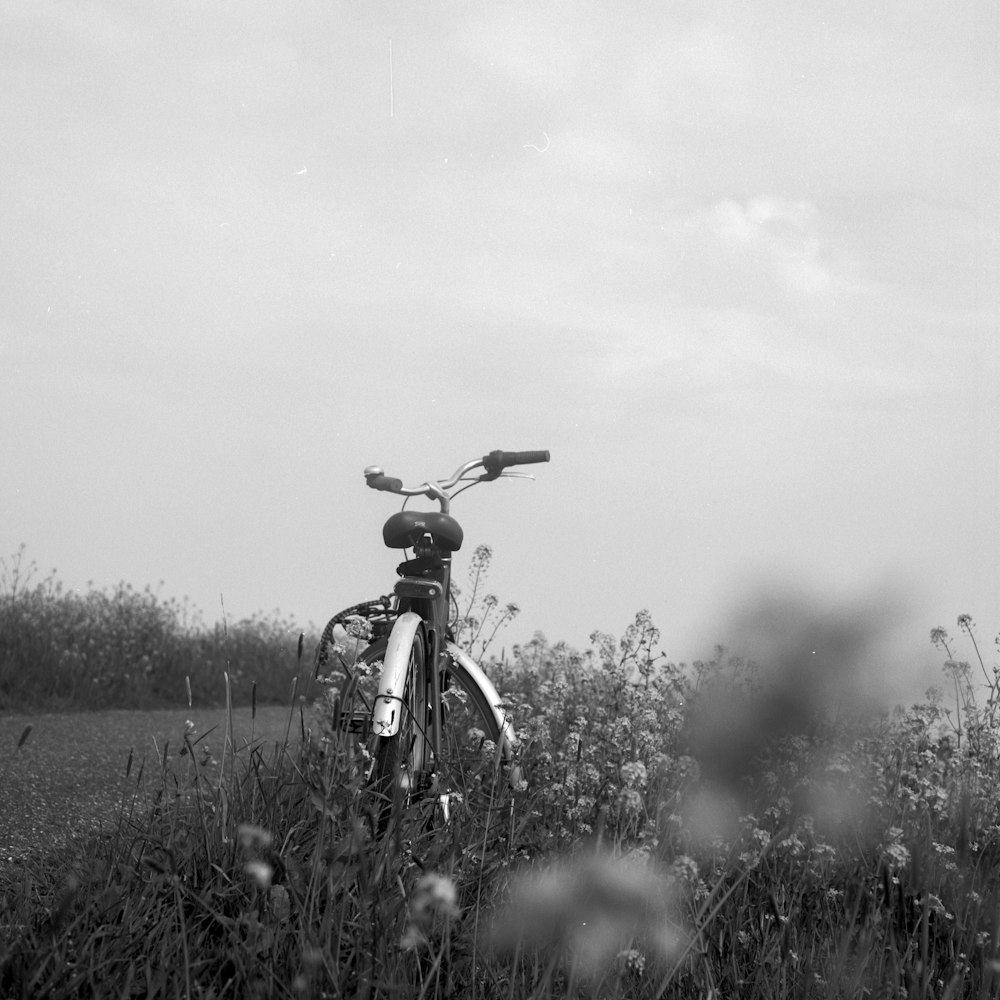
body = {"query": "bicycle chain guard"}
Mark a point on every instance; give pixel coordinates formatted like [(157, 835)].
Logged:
[(379, 613)]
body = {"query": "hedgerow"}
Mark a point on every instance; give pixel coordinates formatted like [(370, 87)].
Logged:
[(119, 647)]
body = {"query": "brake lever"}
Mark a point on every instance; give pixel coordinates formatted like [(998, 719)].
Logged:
[(488, 478)]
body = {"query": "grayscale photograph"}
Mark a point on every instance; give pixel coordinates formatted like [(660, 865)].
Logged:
[(696, 694)]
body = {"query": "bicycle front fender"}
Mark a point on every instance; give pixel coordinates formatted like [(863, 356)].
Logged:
[(462, 661), (388, 711)]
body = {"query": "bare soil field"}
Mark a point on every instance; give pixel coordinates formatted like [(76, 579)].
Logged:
[(69, 776)]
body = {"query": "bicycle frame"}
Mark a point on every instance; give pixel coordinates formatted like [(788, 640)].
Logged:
[(444, 655)]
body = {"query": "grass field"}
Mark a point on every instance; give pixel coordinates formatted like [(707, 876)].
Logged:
[(724, 829), (74, 769)]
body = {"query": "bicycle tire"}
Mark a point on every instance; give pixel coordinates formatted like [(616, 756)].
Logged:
[(470, 738)]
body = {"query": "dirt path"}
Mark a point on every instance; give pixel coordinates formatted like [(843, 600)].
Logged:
[(70, 773)]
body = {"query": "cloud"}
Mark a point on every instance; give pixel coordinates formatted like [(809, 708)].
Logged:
[(745, 223), (781, 234)]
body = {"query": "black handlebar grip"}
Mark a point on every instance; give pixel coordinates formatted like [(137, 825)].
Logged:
[(524, 457), (387, 483), (495, 461)]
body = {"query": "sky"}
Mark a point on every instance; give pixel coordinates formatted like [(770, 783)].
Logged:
[(736, 265)]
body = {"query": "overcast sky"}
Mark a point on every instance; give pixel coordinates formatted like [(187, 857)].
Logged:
[(735, 265)]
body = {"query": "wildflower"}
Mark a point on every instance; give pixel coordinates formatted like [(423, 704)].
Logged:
[(279, 902), (590, 909), (633, 960), (358, 627), (362, 669), (959, 669), (839, 764), (634, 774), (455, 694), (629, 800), (434, 901), (253, 836), (260, 872), (662, 763), (684, 869), (333, 677), (793, 844), (896, 852)]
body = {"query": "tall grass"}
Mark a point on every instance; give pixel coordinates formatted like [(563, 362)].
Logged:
[(125, 648), (732, 828), (267, 882)]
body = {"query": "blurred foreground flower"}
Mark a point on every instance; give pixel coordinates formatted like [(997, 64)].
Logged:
[(253, 836), (591, 909), (260, 872), (279, 902), (801, 662), (434, 902)]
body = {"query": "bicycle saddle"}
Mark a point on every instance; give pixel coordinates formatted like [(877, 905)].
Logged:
[(406, 527)]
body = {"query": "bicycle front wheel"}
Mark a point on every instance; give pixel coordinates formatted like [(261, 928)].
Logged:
[(477, 737), (399, 768)]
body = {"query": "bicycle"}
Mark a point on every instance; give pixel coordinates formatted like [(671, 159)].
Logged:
[(436, 716)]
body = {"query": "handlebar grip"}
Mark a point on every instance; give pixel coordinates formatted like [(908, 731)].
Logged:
[(496, 461), (387, 483)]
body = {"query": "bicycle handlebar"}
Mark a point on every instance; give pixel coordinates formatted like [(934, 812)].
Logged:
[(494, 463), (380, 482)]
